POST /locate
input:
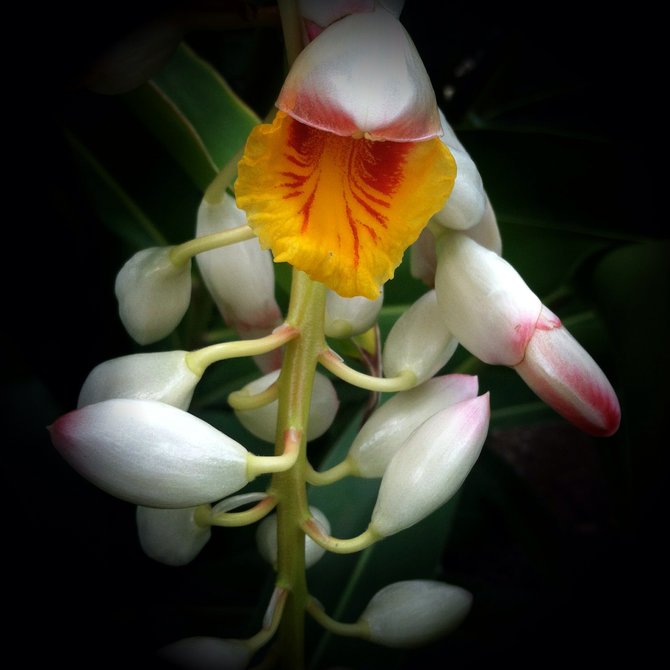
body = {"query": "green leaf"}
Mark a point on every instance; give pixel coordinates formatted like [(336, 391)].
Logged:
[(193, 112)]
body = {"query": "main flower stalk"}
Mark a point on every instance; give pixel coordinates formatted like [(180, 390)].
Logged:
[(306, 313)]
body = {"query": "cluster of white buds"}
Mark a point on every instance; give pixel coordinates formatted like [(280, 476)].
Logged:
[(133, 434)]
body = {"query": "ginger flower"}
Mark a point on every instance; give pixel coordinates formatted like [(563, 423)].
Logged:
[(348, 174)]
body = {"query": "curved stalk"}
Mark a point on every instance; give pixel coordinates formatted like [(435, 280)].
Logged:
[(241, 400), (330, 476), (337, 545), (182, 253), (358, 629)]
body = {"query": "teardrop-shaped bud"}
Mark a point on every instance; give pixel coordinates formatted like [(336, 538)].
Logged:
[(150, 453), (206, 653), (153, 294), (484, 301), (565, 376), (419, 341), (266, 538), (466, 204), (346, 317), (163, 376), (389, 426), (171, 536), (262, 422), (239, 277), (363, 76), (415, 612), (431, 465)]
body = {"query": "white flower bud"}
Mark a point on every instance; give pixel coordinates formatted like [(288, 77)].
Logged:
[(486, 232), (206, 653), (419, 341), (171, 536), (150, 453), (483, 300), (262, 422), (162, 376), (415, 612), (423, 258), (389, 426), (266, 538), (431, 465), (465, 206), (350, 316), (153, 294)]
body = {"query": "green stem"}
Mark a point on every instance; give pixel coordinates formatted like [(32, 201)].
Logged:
[(343, 469), (337, 545), (242, 400), (182, 253), (236, 519), (306, 313), (359, 629)]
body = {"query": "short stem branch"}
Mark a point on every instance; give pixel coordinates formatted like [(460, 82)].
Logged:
[(260, 465), (359, 629), (330, 476), (241, 400), (249, 516), (337, 545), (182, 253)]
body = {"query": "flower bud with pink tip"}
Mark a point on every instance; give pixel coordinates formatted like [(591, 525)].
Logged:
[(415, 612), (150, 453), (431, 465), (153, 294), (558, 369), (389, 426)]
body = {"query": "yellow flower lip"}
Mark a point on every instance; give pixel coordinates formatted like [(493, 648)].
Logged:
[(341, 209)]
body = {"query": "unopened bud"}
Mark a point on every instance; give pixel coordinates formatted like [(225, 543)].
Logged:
[(350, 316)]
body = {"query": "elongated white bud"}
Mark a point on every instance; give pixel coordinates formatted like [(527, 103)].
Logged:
[(466, 204), (389, 426), (431, 465), (565, 376), (350, 316), (162, 376), (266, 538), (419, 341), (483, 300), (206, 653), (262, 422), (153, 294), (239, 277), (415, 612), (171, 536), (150, 453)]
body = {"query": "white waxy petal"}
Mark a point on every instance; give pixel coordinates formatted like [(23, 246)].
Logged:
[(431, 465), (561, 372), (423, 258), (486, 232), (262, 422), (389, 426), (153, 294), (350, 316), (415, 612), (206, 653), (162, 376), (266, 538), (239, 277), (484, 301), (466, 204), (363, 75), (419, 341), (150, 453), (171, 536)]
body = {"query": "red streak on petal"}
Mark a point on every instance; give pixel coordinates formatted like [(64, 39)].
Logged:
[(305, 209), (354, 233)]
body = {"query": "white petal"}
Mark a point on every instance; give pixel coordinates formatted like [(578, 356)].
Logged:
[(419, 341), (153, 294), (486, 231), (423, 258), (389, 426), (206, 653), (150, 453), (483, 300), (171, 536), (162, 376), (262, 422), (414, 612), (350, 316), (363, 75), (431, 465)]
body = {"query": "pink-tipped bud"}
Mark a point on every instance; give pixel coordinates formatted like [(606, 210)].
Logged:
[(150, 453), (484, 301), (350, 316), (262, 421), (171, 536), (153, 294), (415, 612), (363, 75), (389, 426), (558, 369), (431, 465), (206, 653), (162, 376), (419, 341)]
